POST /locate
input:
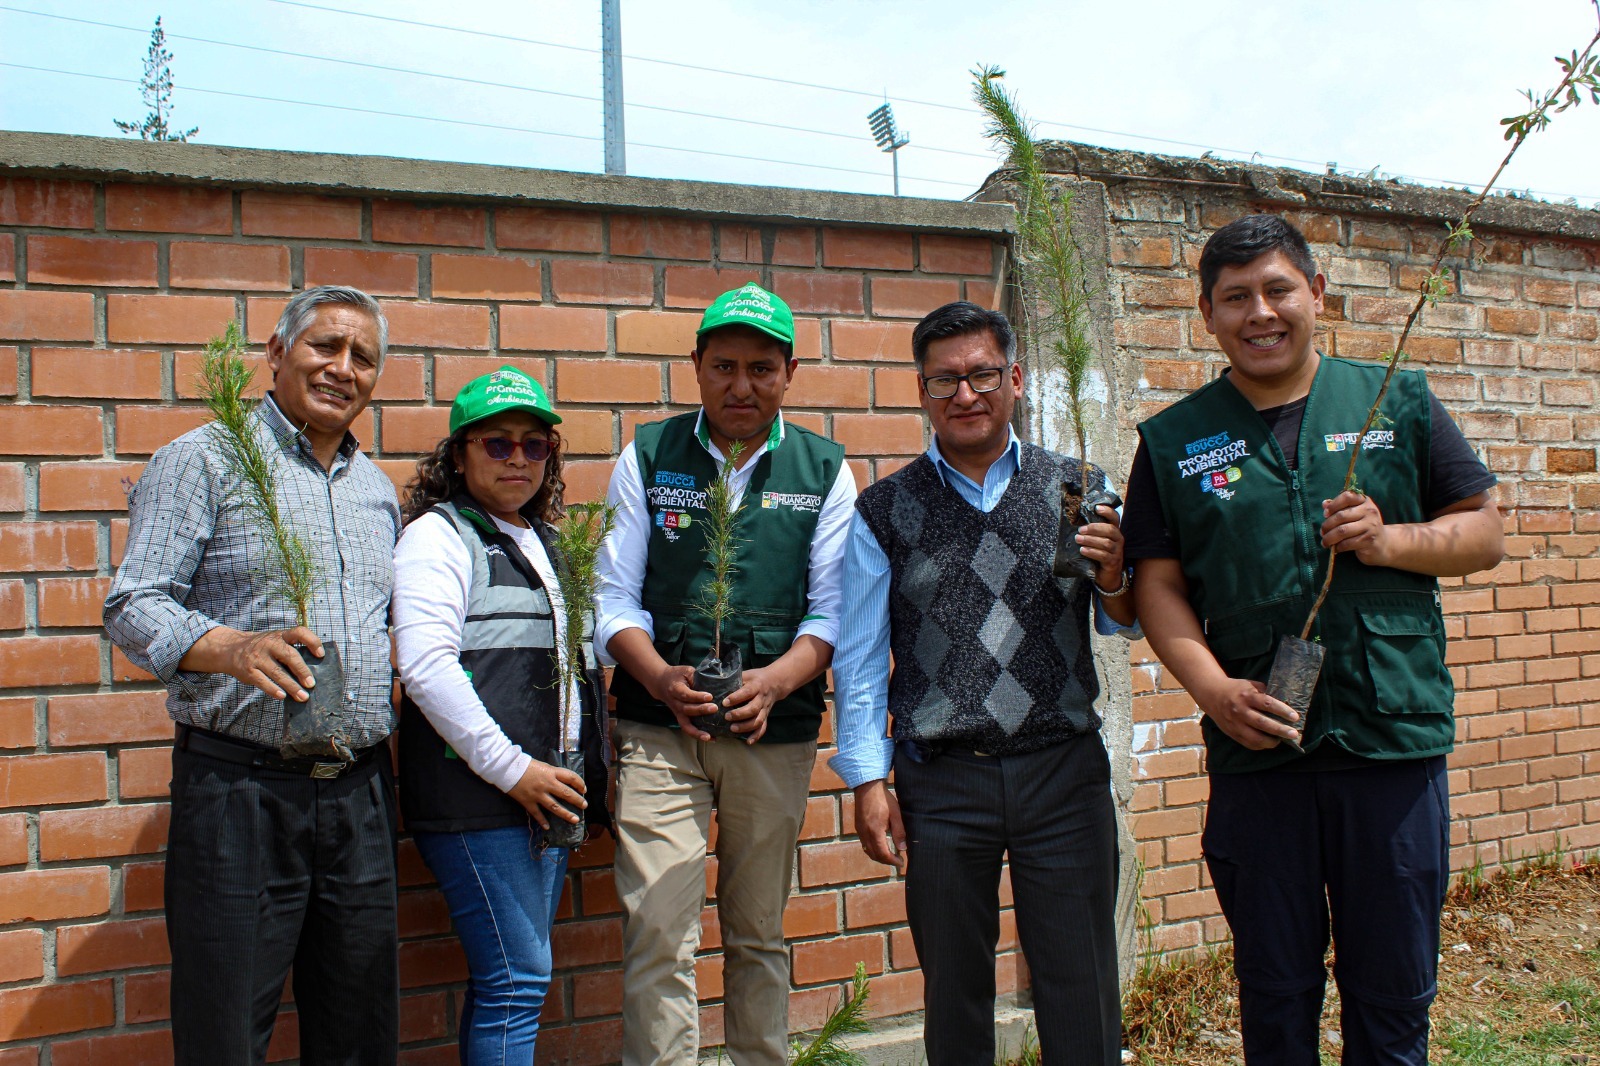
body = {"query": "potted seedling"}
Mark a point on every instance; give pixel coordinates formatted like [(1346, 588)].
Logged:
[(578, 540), (1297, 662), (721, 672), (1078, 508), (1050, 261), (317, 727)]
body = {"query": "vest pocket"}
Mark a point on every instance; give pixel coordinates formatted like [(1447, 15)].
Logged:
[(1405, 659), (669, 638), (1244, 651)]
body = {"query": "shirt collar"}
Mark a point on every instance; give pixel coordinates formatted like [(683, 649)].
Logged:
[(702, 433), (286, 431), (1013, 450)]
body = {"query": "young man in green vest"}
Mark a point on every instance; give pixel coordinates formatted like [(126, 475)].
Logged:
[(796, 497), (1235, 502)]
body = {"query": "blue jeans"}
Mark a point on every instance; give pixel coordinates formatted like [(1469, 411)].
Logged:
[(503, 891)]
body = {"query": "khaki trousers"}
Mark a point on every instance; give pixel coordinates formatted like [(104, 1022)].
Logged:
[(667, 784)]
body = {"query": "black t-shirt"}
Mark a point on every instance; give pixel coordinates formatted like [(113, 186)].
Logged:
[(1454, 473)]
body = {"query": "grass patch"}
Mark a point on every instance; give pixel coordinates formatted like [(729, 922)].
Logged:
[(1519, 984)]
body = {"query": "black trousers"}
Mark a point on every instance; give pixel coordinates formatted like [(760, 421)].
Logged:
[(1367, 849), (266, 871), (1051, 813)]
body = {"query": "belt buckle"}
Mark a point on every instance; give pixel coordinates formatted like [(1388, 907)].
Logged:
[(982, 754), (327, 771)]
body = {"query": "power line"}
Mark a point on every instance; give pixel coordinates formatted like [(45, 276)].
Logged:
[(963, 109), (469, 81), (580, 48), (678, 111), (467, 122)]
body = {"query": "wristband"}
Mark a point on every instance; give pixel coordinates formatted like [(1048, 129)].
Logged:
[(1122, 590)]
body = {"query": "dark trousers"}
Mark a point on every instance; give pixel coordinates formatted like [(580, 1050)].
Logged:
[(266, 870), (1367, 849), (1050, 811)]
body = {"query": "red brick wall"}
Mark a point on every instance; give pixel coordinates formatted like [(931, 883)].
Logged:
[(1513, 356), (107, 292)]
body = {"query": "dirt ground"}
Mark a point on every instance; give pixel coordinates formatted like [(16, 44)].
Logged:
[(1519, 982)]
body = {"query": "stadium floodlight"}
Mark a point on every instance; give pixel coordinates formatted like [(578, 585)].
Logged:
[(890, 139)]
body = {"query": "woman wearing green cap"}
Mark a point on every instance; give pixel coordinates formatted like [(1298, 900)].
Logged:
[(476, 610)]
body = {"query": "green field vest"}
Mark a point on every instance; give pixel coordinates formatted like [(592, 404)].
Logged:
[(775, 526), (1247, 534)]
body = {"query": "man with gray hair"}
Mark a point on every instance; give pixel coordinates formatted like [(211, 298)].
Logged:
[(275, 861)]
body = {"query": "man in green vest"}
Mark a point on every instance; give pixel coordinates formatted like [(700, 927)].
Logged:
[(796, 497), (1236, 506)]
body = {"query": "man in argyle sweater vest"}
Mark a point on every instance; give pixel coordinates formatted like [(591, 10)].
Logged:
[(996, 749)]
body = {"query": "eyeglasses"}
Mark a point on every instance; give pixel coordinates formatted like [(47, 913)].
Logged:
[(944, 386), (537, 449)]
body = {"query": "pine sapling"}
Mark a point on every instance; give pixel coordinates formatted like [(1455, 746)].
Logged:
[(315, 728), (826, 1048), (579, 536), (225, 379), (1056, 305), (721, 672)]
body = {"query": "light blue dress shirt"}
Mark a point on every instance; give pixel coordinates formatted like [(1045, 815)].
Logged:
[(861, 660)]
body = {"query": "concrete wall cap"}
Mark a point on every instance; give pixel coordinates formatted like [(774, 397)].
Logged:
[(52, 155), (1299, 189)]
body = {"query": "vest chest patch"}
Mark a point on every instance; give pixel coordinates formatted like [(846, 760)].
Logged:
[(1214, 462), (1375, 438), (671, 496), (795, 501)]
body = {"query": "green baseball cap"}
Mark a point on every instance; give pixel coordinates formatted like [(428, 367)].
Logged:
[(750, 306), (507, 389)]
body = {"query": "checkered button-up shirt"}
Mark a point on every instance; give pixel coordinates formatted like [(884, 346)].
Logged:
[(194, 561)]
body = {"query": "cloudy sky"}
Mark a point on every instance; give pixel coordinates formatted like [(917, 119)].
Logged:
[(777, 93)]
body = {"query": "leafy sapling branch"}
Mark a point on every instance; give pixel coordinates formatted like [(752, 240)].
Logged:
[(1056, 305), (1580, 77)]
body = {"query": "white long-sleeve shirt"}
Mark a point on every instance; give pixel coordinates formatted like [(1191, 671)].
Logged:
[(432, 580), (626, 551)]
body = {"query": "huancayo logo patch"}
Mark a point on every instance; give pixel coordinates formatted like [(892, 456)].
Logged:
[(798, 501), (1375, 438)]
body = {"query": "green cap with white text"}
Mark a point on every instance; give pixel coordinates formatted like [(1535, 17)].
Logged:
[(507, 389), (750, 306)]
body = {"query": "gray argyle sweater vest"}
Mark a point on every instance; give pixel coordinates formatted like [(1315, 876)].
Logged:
[(991, 649)]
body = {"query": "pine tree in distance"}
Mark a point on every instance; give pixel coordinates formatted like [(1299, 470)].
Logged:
[(156, 89)]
